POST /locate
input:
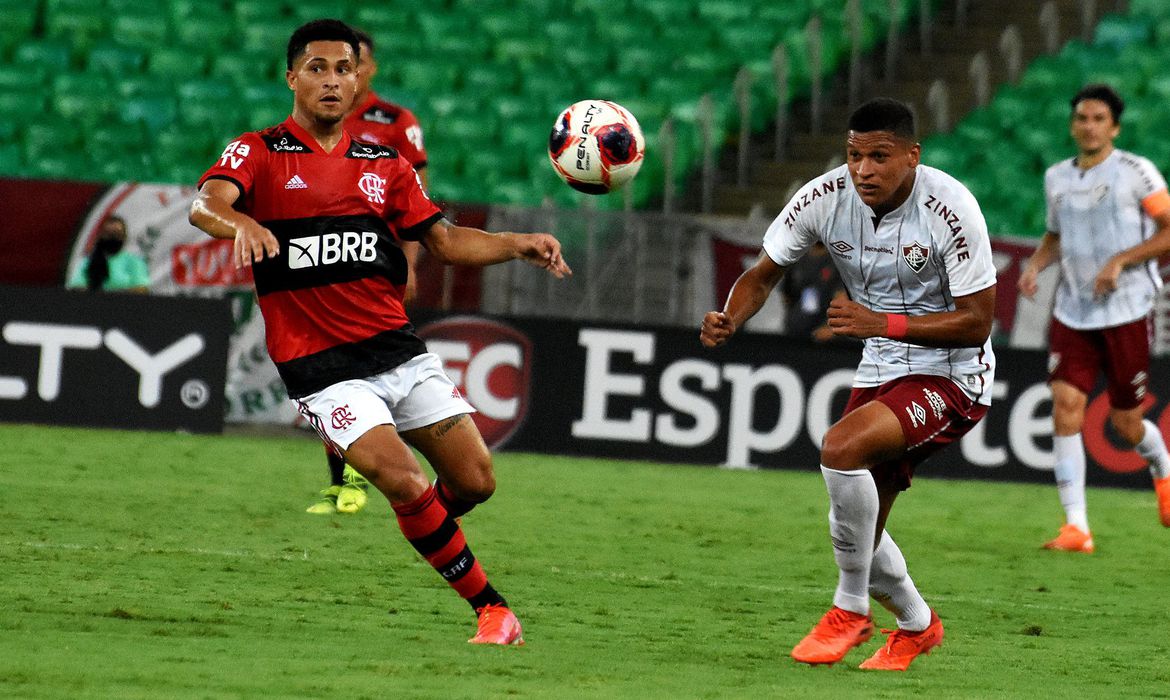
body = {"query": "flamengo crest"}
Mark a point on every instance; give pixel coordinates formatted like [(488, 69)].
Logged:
[(373, 187), (916, 255)]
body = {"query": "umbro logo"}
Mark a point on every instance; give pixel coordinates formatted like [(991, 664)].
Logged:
[(841, 246), (296, 183)]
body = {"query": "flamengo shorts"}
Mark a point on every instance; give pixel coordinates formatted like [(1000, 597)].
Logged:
[(414, 394), (1123, 352), (933, 412)]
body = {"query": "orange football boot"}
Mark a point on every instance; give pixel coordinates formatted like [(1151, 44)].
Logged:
[(902, 647), (497, 625), (1071, 539), (1162, 488), (836, 633)]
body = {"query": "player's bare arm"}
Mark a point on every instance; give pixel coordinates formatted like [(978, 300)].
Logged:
[(747, 297), (212, 212), (1153, 247), (462, 245), (1046, 253), (968, 326)]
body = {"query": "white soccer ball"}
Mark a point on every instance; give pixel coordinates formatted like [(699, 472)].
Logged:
[(596, 146)]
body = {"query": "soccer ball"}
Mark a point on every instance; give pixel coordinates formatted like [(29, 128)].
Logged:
[(596, 146)]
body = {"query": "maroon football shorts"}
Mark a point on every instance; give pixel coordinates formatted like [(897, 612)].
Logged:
[(933, 411), (1123, 352)]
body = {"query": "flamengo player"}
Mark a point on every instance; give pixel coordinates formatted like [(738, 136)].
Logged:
[(1108, 221), (318, 216), (912, 249), (374, 120)]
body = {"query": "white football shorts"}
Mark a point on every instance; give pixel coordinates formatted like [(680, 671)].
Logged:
[(414, 394)]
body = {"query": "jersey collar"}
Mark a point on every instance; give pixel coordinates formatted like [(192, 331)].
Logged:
[(306, 138), (370, 101)]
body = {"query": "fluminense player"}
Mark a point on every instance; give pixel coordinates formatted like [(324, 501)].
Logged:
[(911, 247), (1108, 221), (318, 216)]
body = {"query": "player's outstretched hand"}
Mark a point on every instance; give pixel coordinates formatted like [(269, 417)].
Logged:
[(850, 319), (1028, 284), (716, 330), (544, 250), (1106, 282), (253, 243)]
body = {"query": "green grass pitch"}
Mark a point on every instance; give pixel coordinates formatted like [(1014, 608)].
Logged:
[(147, 565)]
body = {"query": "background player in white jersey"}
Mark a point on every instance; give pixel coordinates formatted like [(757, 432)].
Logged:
[(911, 245), (1108, 221)]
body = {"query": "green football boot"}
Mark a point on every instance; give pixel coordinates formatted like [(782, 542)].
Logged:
[(328, 503), (352, 496)]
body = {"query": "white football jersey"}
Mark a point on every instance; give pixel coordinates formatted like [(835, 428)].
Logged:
[(931, 249), (1098, 213)]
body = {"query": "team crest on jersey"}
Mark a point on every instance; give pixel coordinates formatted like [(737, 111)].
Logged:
[(373, 187), (916, 255)]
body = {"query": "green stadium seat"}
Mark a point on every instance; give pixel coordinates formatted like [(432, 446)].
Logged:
[(455, 48), (86, 107), (511, 108), (115, 59), (203, 30), (204, 91), (718, 12), (80, 26), (669, 13), (259, 11), (19, 20), (493, 165), (1117, 32), (14, 78), (152, 111), (114, 144), (425, 78), (489, 79), (175, 63), (268, 38), (49, 54), (142, 30), (10, 161), (50, 137), (746, 40), (505, 23), (528, 52), (21, 100), (58, 166)]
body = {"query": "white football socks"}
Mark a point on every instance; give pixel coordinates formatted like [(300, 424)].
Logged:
[(853, 511), (1070, 478), (1152, 448), (890, 584)]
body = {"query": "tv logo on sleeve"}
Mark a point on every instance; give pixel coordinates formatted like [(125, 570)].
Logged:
[(330, 248)]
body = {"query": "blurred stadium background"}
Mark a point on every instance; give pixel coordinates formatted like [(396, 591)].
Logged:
[(117, 106)]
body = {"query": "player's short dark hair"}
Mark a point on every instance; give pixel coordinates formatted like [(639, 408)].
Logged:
[(364, 38), (884, 114), (320, 30), (1103, 92)]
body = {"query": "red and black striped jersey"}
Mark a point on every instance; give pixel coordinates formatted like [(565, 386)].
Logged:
[(388, 124), (332, 297)]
